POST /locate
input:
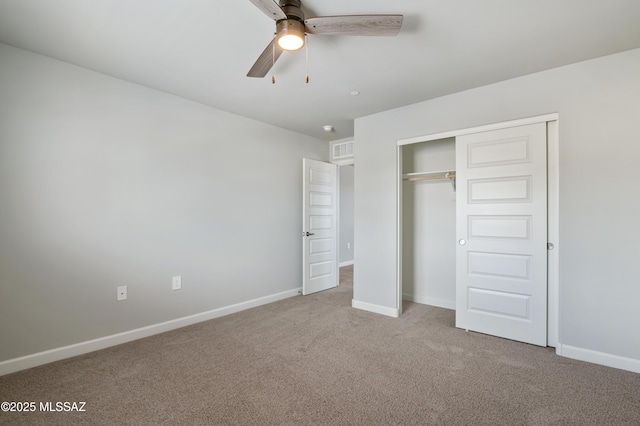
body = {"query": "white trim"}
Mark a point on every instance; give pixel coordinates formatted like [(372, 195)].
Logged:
[(399, 261), (440, 303), (376, 309), (478, 129), (336, 251), (347, 263), (34, 360), (596, 357), (553, 233), (343, 140), (347, 162)]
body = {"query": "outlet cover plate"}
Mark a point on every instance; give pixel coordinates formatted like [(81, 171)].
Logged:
[(121, 293), (176, 283)]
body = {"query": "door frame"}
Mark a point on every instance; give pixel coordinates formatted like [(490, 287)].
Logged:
[(339, 222), (553, 210)]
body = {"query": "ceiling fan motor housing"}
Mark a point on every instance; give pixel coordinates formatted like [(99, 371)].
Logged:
[(292, 9), (290, 26)]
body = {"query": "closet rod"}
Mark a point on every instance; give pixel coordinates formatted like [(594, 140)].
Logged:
[(440, 176)]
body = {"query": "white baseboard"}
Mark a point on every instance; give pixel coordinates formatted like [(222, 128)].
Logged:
[(377, 309), (34, 360), (347, 263), (440, 303), (601, 358)]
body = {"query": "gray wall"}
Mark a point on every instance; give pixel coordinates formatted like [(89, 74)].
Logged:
[(599, 110), (106, 183), (346, 214)]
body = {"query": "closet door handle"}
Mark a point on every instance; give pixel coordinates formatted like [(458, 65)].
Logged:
[(462, 242), (307, 234)]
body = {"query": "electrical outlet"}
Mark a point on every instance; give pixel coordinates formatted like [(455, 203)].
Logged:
[(121, 293), (348, 246), (176, 283)]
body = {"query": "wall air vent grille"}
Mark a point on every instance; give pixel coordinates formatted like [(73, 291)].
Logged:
[(341, 151)]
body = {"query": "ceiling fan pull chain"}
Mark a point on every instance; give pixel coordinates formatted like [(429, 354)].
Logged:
[(306, 42)]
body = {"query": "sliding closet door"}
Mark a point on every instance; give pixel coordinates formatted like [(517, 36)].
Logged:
[(501, 226)]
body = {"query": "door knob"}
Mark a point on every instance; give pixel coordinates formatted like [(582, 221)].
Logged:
[(462, 242), (306, 234)]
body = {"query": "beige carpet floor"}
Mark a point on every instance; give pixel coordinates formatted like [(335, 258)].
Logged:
[(314, 360)]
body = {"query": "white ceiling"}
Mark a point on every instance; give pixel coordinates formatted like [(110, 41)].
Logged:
[(202, 50)]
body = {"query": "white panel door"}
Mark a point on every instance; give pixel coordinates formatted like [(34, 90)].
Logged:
[(319, 227), (501, 259)]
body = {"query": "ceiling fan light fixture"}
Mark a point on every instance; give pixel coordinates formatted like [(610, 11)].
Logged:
[(292, 28), (290, 33)]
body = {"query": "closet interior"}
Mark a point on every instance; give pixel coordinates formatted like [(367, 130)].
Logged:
[(429, 223)]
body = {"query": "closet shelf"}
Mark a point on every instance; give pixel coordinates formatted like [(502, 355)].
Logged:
[(443, 175)]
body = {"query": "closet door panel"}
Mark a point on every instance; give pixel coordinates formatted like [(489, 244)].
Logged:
[(505, 227), (501, 226)]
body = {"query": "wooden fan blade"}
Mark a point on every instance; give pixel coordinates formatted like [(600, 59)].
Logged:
[(355, 25), (271, 9), (266, 60)]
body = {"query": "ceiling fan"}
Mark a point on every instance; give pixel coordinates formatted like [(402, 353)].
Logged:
[(292, 27)]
